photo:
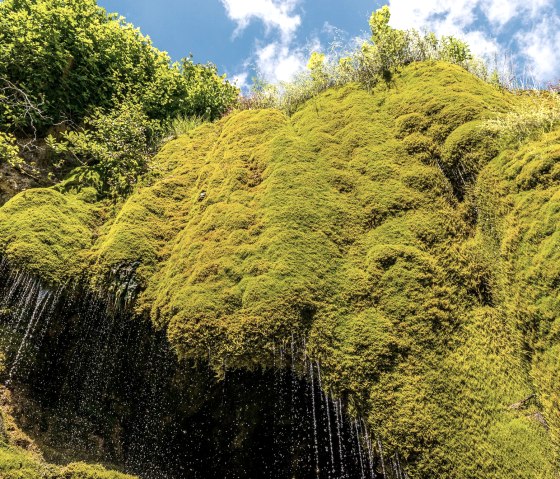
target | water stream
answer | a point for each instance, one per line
(100, 385)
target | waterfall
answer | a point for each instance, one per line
(40, 303)
(315, 441)
(110, 389)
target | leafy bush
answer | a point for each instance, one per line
(208, 95)
(389, 44)
(70, 56)
(68, 65)
(117, 144)
(375, 60)
(8, 149)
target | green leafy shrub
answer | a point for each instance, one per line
(208, 95)
(8, 149)
(389, 44)
(454, 50)
(116, 145)
(71, 56)
(97, 88)
(387, 51)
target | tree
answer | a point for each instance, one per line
(70, 56)
(454, 50)
(316, 66)
(390, 44)
(208, 94)
(70, 64)
(112, 149)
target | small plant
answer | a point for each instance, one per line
(375, 60)
(117, 145)
(182, 125)
(539, 113)
(9, 149)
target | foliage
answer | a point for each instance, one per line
(183, 125)
(8, 149)
(454, 50)
(537, 113)
(68, 65)
(17, 108)
(406, 233)
(18, 464)
(388, 51)
(429, 296)
(117, 145)
(316, 67)
(208, 95)
(389, 44)
(71, 56)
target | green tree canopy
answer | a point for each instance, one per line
(71, 56)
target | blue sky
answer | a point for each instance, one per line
(275, 37)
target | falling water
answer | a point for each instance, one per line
(370, 450)
(111, 389)
(381, 457)
(315, 442)
(40, 304)
(339, 427)
(359, 450)
(326, 400)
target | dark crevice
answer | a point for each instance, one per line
(108, 388)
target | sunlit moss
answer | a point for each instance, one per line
(47, 233)
(416, 255)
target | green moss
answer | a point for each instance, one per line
(18, 464)
(81, 470)
(47, 233)
(520, 222)
(410, 123)
(418, 261)
(467, 150)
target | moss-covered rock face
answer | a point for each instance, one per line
(47, 233)
(417, 260)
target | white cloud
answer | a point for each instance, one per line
(540, 46)
(241, 80)
(481, 44)
(470, 19)
(280, 59)
(278, 62)
(480, 22)
(275, 14)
